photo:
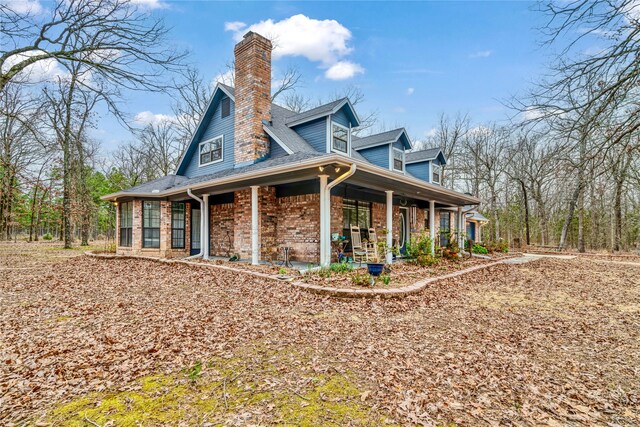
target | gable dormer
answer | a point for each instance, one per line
(327, 128)
(426, 164)
(211, 148)
(386, 149)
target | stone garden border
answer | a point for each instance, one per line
(323, 290)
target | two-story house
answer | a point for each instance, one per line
(257, 177)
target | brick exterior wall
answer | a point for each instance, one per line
(298, 226)
(292, 221)
(252, 97)
(221, 224)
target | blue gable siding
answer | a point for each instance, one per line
(315, 133)
(341, 117)
(399, 145)
(276, 150)
(420, 170)
(215, 127)
(379, 156)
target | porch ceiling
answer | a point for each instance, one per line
(370, 180)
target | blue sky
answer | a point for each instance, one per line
(412, 60)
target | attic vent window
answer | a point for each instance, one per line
(211, 150)
(340, 138)
(398, 160)
(225, 107)
(436, 173)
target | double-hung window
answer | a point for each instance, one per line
(126, 223)
(356, 212)
(339, 138)
(210, 151)
(150, 224)
(398, 160)
(436, 173)
(178, 221)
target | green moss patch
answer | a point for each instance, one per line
(255, 387)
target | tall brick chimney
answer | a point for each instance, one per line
(252, 97)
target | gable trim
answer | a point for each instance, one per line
(327, 113)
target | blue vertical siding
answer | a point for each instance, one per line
(315, 133)
(215, 127)
(420, 170)
(377, 155)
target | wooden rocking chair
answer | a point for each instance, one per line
(372, 246)
(359, 251)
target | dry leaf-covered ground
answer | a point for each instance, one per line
(88, 341)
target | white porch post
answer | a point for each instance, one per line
(205, 241)
(255, 250)
(432, 225)
(389, 255)
(325, 233)
(461, 228)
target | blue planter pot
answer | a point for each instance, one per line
(375, 269)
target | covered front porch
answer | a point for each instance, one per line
(255, 216)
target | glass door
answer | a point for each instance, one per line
(403, 235)
(195, 230)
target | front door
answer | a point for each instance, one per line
(403, 235)
(195, 230)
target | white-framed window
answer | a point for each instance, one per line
(436, 173)
(398, 160)
(340, 138)
(210, 151)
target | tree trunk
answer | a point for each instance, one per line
(581, 246)
(569, 217)
(526, 212)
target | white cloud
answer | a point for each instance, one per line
(23, 7)
(147, 118)
(410, 91)
(226, 78)
(151, 4)
(399, 110)
(481, 54)
(431, 133)
(234, 26)
(343, 70)
(40, 71)
(322, 41)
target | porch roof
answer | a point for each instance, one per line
(292, 168)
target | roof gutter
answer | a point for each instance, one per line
(320, 161)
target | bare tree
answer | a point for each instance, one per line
(114, 39)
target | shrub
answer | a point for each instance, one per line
(361, 279)
(47, 236)
(419, 246)
(340, 267)
(386, 279)
(427, 260)
(479, 249)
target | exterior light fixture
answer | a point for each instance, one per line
(336, 168)
(321, 168)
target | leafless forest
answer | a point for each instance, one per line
(564, 171)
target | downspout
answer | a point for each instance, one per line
(199, 254)
(327, 213)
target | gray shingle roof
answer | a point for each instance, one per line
(288, 136)
(422, 155)
(158, 185)
(322, 110)
(378, 138)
